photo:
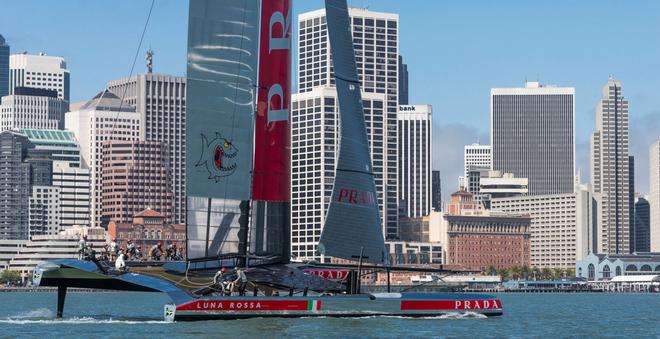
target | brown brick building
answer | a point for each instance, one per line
(136, 176)
(146, 229)
(475, 238)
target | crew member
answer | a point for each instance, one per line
(240, 281)
(82, 247)
(156, 251)
(113, 249)
(120, 264)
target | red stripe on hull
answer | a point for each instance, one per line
(245, 305)
(452, 305)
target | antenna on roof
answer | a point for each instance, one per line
(150, 58)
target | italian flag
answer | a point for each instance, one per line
(314, 305)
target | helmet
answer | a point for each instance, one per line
(114, 239)
(160, 244)
(129, 240)
(223, 270)
(174, 244)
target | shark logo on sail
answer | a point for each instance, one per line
(218, 157)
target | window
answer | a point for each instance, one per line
(631, 268)
(592, 272)
(618, 270)
(606, 271)
(646, 268)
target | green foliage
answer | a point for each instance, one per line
(10, 277)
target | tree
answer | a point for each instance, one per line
(546, 273)
(491, 270)
(570, 272)
(504, 274)
(536, 273)
(10, 277)
(558, 273)
(524, 272)
(515, 272)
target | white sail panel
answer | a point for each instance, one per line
(222, 71)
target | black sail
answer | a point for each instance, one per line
(352, 224)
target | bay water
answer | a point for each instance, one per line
(139, 315)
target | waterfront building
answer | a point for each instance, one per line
(314, 148)
(4, 67)
(135, 176)
(415, 151)
(475, 238)
(436, 191)
(42, 248)
(376, 44)
(607, 266)
(161, 101)
(475, 157)
(69, 175)
(39, 71)
(32, 108)
(23, 167)
(533, 135)
(101, 119)
(147, 228)
(8, 250)
(562, 228)
(610, 174)
(642, 225)
(654, 197)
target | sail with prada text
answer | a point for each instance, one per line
(352, 228)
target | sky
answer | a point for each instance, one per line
(456, 52)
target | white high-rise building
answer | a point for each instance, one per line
(654, 198)
(39, 71)
(161, 100)
(314, 147)
(101, 119)
(69, 175)
(44, 210)
(475, 156)
(533, 135)
(562, 226)
(415, 151)
(610, 173)
(376, 43)
(32, 108)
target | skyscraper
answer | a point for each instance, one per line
(70, 177)
(403, 82)
(101, 119)
(415, 151)
(4, 67)
(32, 108)
(136, 176)
(376, 43)
(161, 101)
(436, 191)
(631, 203)
(23, 168)
(654, 198)
(475, 157)
(533, 135)
(39, 71)
(314, 148)
(610, 173)
(642, 225)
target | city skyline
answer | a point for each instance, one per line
(473, 60)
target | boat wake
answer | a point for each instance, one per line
(46, 316)
(463, 315)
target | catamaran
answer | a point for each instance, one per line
(238, 187)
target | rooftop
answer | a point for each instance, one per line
(107, 101)
(41, 136)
